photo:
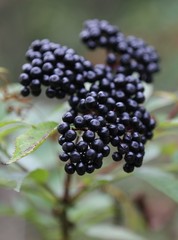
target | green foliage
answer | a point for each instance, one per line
(32, 139)
(165, 182)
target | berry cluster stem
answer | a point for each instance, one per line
(64, 222)
(66, 196)
(65, 225)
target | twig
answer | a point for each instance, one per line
(66, 195)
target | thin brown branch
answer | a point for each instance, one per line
(66, 195)
(62, 213)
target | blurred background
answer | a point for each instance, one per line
(156, 21)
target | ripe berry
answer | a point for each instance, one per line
(102, 97)
(25, 92)
(68, 117)
(68, 146)
(70, 135)
(88, 136)
(97, 144)
(24, 79)
(111, 117)
(116, 156)
(128, 168)
(94, 124)
(64, 156)
(129, 157)
(69, 168)
(79, 122)
(63, 128)
(90, 102)
(106, 151)
(97, 163)
(80, 168)
(75, 157)
(90, 168)
(50, 92)
(134, 146)
(82, 146)
(120, 107)
(90, 154)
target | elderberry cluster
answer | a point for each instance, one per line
(109, 115)
(127, 53)
(56, 67)
(106, 115)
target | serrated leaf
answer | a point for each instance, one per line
(112, 233)
(162, 181)
(32, 139)
(38, 175)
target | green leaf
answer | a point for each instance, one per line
(112, 232)
(32, 139)
(38, 175)
(162, 181)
